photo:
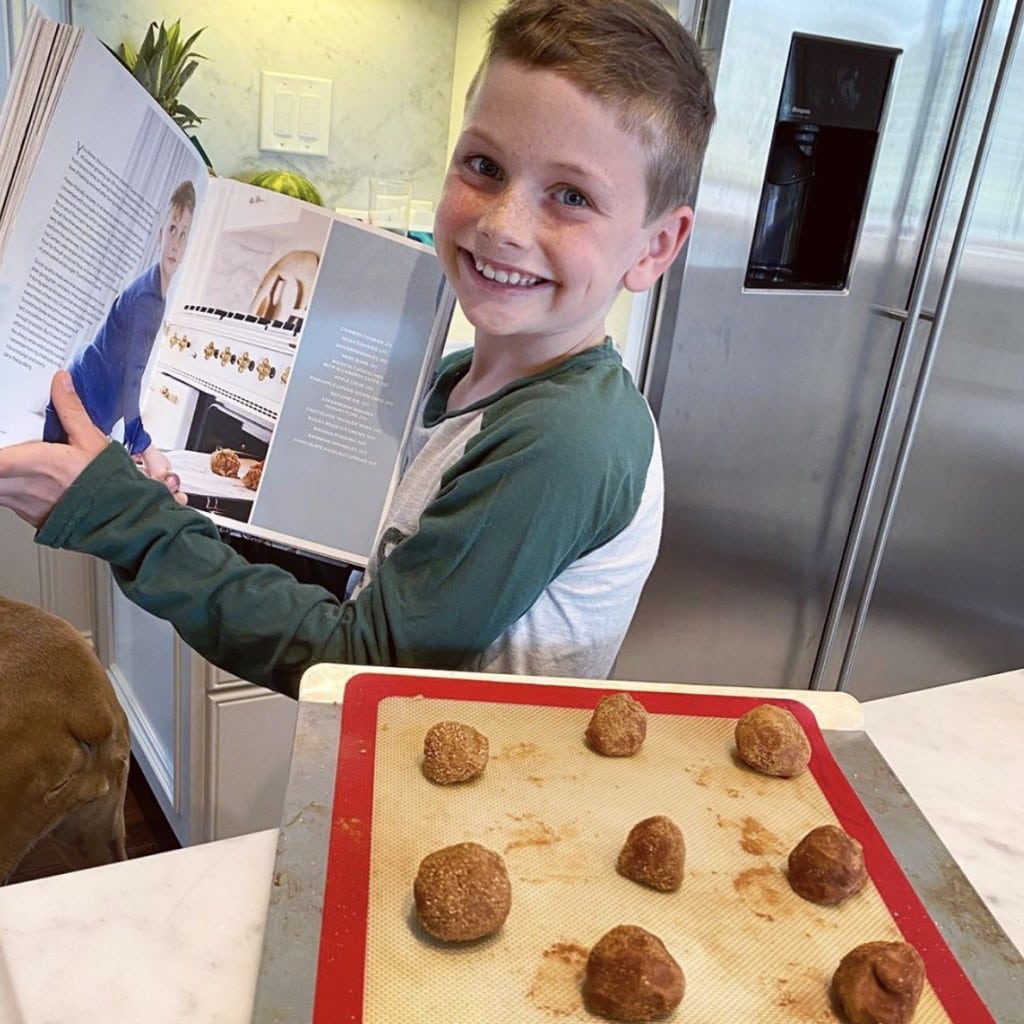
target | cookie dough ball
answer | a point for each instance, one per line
(879, 983)
(770, 740)
(225, 462)
(618, 726)
(253, 476)
(453, 752)
(654, 854)
(631, 976)
(462, 892)
(827, 866)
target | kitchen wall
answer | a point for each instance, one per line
(474, 20)
(390, 61)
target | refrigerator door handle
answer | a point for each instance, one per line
(902, 315)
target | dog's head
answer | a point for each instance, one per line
(63, 736)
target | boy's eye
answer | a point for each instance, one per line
(484, 166)
(572, 197)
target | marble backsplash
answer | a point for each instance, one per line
(391, 62)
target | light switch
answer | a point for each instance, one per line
(309, 117)
(295, 113)
(284, 113)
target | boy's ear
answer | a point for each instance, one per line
(666, 238)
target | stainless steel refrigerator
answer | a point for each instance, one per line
(837, 362)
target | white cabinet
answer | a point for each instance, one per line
(215, 749)
(248, 749)
(59, 581)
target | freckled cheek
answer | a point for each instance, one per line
(444, 240)
(453, 218)
(442, 221)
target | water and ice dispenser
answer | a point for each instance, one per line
(819, 166)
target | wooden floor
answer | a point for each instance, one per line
(146, 832)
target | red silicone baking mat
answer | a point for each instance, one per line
(558, 813)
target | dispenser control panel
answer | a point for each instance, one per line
(819, 166)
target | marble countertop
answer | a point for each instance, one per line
(959, 751)
(177, 937)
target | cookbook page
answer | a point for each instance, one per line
(223, 364)
(375, 328)
(294, 356)
(46, 52)
(85, 269)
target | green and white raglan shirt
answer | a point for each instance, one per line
(518, 540)
(535, 516)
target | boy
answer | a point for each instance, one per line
(107, 373)
(529, 516)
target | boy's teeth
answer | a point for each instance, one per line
(504, 276)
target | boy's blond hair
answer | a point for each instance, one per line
(183, 198)
(633, 55)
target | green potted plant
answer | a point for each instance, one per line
(162, 65)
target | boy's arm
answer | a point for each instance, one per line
(154, 462)
(254, 620)
(136, 437)
(443, 595)
(89, 495)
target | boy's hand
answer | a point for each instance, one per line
(34, 475)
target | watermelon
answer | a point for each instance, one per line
(290, 183)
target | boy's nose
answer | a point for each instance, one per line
(506, 217)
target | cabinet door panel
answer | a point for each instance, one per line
(249, 747)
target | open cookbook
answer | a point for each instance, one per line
(273, 351)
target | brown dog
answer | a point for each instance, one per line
(64, 743)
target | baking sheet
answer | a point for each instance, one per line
(750, 948)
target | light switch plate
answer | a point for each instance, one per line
(295, 113)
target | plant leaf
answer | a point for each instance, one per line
(127, 55)
(163, 64)
(149, 42)
(186, 118)
(186, 73)
(141, 72)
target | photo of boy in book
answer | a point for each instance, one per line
(108, 371)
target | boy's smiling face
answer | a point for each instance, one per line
(541, 221)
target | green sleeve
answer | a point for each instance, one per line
(254, 620)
